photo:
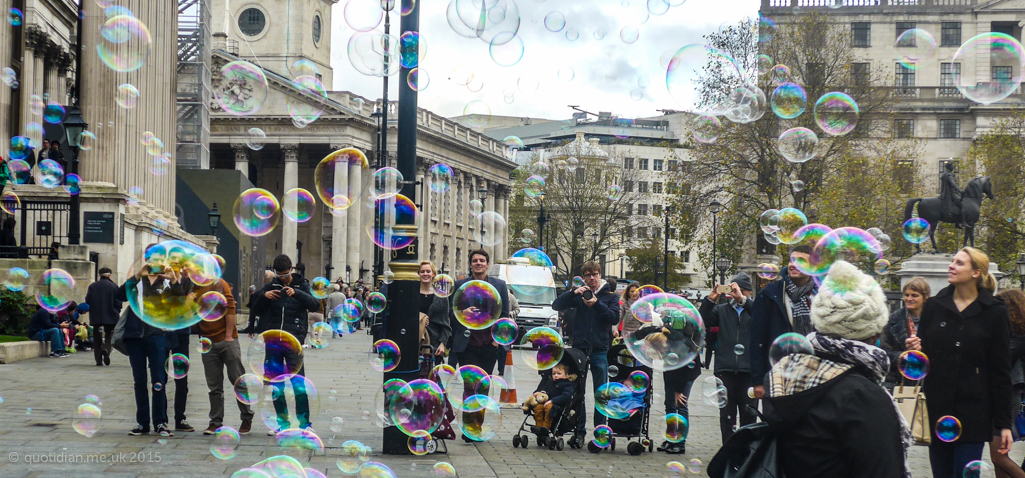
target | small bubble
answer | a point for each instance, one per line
(403, 331)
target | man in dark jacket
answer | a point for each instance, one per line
(104, 310)
(732, 364)
(597, 311)
(43, 326)
(284, 304)
(478, 347)
(780, 307)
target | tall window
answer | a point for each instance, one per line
(908, 40)
(947, 73)
(628, 163)
(904, 128)
(629, 232)
(950, 34)
(950, 128)
(580, 175)
(904, 176)
(642, 232)
(656, 188)
(644, 164)
(316, 29)
(657, 165)
(860, 74)
(642, 187)
(1001, 73)
(642, 209)
(861, 34)
(629, 209)
(628, 186)
(672, 165)
(905, 80)
(685, 256)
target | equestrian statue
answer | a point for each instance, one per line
(953, 206)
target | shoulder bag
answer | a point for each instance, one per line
(911, 403)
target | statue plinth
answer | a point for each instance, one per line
(933, 268)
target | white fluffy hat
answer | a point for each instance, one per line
(850, 304)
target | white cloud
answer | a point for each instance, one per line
(606, 70)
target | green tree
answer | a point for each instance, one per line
(647, 264)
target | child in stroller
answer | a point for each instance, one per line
(627, 400)
(551, 397)
(561, 419)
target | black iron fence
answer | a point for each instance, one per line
(40, 223)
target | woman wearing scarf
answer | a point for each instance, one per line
(833, 415)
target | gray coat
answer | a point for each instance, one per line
(104, 308)
(733, 330)
(439, 328)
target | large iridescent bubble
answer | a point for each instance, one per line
(124, 43)
(1002, 56)
(789, 100)
(306, 107)
(420, 406)
(836, 113)
(54, 290)
(242, 89)
(477, 305)
(542, 348)
(331, 177)
(846, 243)
(797, 145)
(275, 355)
(686, 68)
(671, 335)
(256, 212)
(394, 212)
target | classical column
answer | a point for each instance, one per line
(289, 229)
(340, 217)
(27, 84)
(355, 231)
(242, 158)
(426, 212)
(502, 249)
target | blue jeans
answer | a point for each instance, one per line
(949, 459)
(674, 384)
(599, 376)
(154, 350)
(54, 336)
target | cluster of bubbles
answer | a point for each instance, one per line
(88, 416)
(790, 226)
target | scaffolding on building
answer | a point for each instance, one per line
(193, 138)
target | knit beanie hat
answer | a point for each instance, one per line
(849, 305)
(743, 281)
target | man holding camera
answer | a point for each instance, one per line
(597, 311)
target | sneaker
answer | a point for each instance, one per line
(163, 431)
(63, 354)
(54, 354)
(246, 426)
(183, 426)
(138, 430)
(210, 430)
(676, 448)
(106, 358)
(663, 446)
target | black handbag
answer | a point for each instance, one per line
(750, 453)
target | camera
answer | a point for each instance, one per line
(723, 289)
(588, 295)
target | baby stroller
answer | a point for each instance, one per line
(436, 443)
(576, 361)
(634, 428)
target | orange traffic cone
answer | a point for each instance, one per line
(508, 395)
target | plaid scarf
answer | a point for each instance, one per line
(800, 300)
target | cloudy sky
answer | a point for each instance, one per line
(608, 74)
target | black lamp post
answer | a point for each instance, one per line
(541, 220)
(74, 125)
(594, 239)
(1020, 263)
(722, 264)
(715, 207)
(482, 194)
(214, 218)
(665, 250)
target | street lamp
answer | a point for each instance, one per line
(214, 219)
(74, 125)
(715, 207)
(622, 265)
(665, 250)
(482, 194)
(594, 239)
(1021, 270)
(722, 264)
(541, 220)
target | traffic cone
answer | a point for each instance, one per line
(508, 395)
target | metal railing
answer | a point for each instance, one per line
(41, 223)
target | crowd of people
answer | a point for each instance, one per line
(829, 409)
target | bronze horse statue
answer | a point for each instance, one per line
(931, 209)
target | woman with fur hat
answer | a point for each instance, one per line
(832, 414)
(965, 332)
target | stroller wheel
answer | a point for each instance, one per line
(516, 441)
(591, 447)
(612, 445)
(551, 443)
(559, 444)
(635, 448)
(431, 446)
(524, 441)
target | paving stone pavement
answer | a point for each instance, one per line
(39, 397)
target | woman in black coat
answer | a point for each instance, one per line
(435, 307)
(965, 332)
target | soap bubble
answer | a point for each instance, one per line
(440, 178)
(715, 392)
(417, 407)
(768, 271)
(615, 192)
(386, 183)
(686, 68)
(87, 141)
(443, 285)
(353, 454)
(225, 443)
(677, 428)
(54, 289)
(1003, 55)
(10, 202)
(495, 19)
(15, 17)
(177, 366)
(395, 210)
(766, 29)
(629, 34)
(247, 388)
(334, 192)
(16, 279)
(363, 16)
(671, 334)
(161, 165)
(87, 419)
(506, 51)
(299, 205)
(386, 356)
(649, 289)
(127, 96)
(555, 21)
(444, 470)
(49, 174)
(602, 436)
(779, 74)
(543, 348)
(787, 344)
(376, 302)
(566, 74)
(706, 129)
(882, 266)
(916, 230)
(477, 305)
(790, 221)
(845, 243)
(948, 428)
(306, 109)
(256, 212)
(477, 114)
(638, 381)
(54, 113)
(788, 100)
(204, 346)
(243, 88)
(913, 364)
(504, 331)
(836, 113)
(124, 43)
(978, 469)
(494, 229)
(482, 418)
(611, 398)
(915, 48)
(275, 355)
(290, 391)
(20, 148)
(212, 306)
(256, 139)
(797, 145)
(535, 186)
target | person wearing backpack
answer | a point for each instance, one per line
(830, 412)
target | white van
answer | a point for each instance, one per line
(534, 288)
